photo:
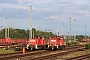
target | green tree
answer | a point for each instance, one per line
(22, 33)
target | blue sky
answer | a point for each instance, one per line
(45, 14)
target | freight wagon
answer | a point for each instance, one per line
(9, 41)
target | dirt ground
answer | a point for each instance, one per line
(71, 55)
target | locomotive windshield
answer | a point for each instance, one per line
(39, 37)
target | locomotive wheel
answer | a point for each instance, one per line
(62, 47)
(31, 48)
(46, 47)
(54, 48)
(43, 47)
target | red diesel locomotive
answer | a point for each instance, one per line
(56, 42)
(37, 43)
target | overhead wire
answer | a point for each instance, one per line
(10, 16)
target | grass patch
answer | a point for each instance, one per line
(72, 43)
(4, 51)
(87, 51)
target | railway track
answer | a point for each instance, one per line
(12, 46)
(80, 57)
(12, 56)
(69, 47)
(32, 55)
(53, 56)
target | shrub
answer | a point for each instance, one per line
(71, 43)
(87, 46)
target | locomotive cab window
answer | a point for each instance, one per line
(58, 38)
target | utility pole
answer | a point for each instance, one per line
(63, 30)
(6, 29)
(30, 34)
(39, 31)
(74, 30)
(8, 32)
(85, 31)
(33, 34)
(68, 34)
(70, 27)
(59, 33)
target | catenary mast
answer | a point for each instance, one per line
(30, 33)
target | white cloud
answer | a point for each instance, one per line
(24, 1)
(52, 17)
(84, 12)
(47, 9)
(12, 6)
(82, 2)
(34, 1)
